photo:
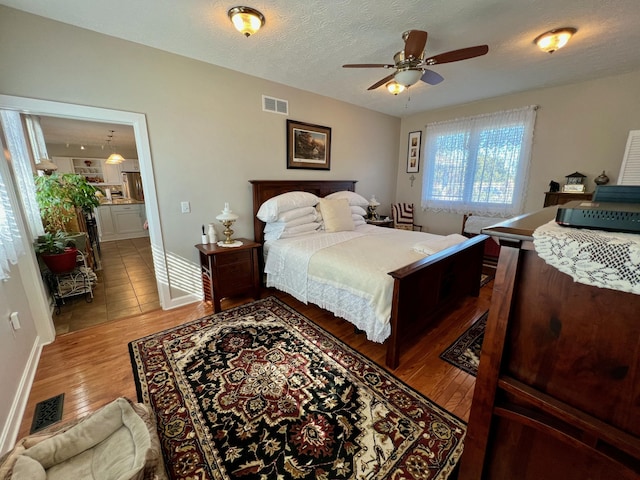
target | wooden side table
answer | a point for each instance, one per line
(381, 223)
(229, 271)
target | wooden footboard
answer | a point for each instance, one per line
(424, 289)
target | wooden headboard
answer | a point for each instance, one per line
(263, 190)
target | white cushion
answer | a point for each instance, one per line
(272, 208)
(292, 231)
(336, 215)
(353, 198)
(275, 229)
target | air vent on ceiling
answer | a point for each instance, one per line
(275, 105)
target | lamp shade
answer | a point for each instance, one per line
(246, 20)
(395, 88)
(114, 159)
(373, 201)
(227, 214)
(46, 164)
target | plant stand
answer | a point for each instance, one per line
(77, 282)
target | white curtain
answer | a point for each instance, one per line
(479, 164)
(36, 137)
(23, 172)
(10, 239)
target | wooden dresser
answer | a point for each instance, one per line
(558, 389)
(560, 198)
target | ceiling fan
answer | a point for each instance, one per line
(411, 65)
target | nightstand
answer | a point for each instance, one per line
(229, 271)
(381, 223)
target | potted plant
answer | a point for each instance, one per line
(57, 252)
(59, 197)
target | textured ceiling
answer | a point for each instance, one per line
(305, 43)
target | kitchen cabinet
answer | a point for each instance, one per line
(112, 174)
(121, 221)
(130, 165)
(65, 165)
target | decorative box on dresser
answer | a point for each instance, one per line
(229, 271)
(557, 394)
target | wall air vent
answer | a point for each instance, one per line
(275, 105)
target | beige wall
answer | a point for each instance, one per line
(580, 127)
(207, 131)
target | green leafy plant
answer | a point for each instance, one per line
(53, 243)
(59, 195)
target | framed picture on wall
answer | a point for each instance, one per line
(308, 146)
(413, 152)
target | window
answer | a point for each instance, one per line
(479, 164)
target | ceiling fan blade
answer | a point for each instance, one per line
(457, 55)
(381, 82)
(414, 44)
(368, 65)
(431, 77)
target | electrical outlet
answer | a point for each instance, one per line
(186, 207)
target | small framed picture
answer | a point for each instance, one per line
(413, 152)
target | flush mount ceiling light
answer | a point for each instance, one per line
(247, 20)
(554, 39)
(407, 77)
(395, 88)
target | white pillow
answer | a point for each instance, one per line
(336, 214)
(272, 208)
(353, 198)
(304, 229)
(296, 213)
(358, 210)
(358, 221)
(279, 227)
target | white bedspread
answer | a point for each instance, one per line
(345, 272)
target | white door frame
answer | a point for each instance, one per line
(139, 123)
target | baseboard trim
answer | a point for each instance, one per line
(19, 405)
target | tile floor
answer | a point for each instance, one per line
(126, 286)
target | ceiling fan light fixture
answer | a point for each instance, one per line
(554, 39)
(395, 88)
(247, 20)
(407, 77)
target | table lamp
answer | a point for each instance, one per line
(227, 217)
(373, 204)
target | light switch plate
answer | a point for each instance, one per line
(14, 320)
(186, 207)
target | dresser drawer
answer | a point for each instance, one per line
(243, 256)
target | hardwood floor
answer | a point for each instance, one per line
(92, 366)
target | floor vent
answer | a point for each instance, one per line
(47, 413)
(275, 105)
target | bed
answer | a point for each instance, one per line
(421, 290)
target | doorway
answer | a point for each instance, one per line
(138, 123)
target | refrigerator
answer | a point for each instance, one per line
(132, 186)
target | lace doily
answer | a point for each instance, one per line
(593, 257)
(236, 243)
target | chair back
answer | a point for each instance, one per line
(402, 214)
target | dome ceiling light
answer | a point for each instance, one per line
(247, 20)
(554, 39)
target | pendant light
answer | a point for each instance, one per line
(114, 158)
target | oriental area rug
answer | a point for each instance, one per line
(464, 353)
(261, 392)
